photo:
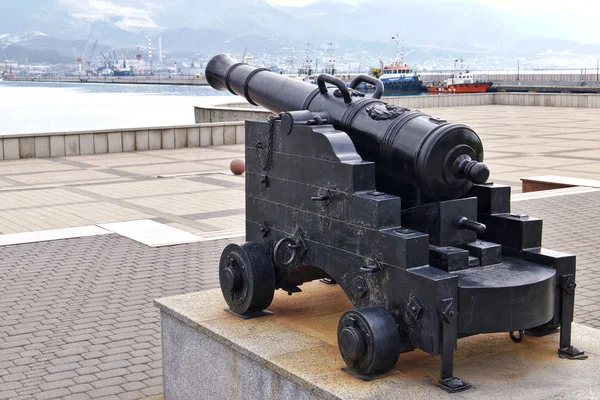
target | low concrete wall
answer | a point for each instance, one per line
(241, 110)
(60, 144)
(229, 112)
(569, 100)
(224, 124)
(442, 100)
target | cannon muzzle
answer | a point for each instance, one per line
(417, 156)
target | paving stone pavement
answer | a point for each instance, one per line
(197, 193)
(77, 319)
(76, 315)
(190, 189)
(572, 225)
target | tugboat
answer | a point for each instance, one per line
(397, 76)
(461, 82)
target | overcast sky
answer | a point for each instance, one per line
(568, 19)
(566, 5)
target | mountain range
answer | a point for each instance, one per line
(59, 31)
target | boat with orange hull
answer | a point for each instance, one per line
(461, 82)
(480, 87)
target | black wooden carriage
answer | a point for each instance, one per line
(394, 206)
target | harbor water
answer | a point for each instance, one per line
(36, 107)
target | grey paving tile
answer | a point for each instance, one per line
(7, 394)
(51, 394)
(105, 391)
(63, 383)
(91, 298)
(99, 327)
(77, 396)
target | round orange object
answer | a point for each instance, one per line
(237, 166)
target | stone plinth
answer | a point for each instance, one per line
(209, 353)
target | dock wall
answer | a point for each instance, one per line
(243, 110)
(61, 144)
(586, 77)
(136, 79)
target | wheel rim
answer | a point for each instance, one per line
(353, 342)
(233, 278)
(369, 340)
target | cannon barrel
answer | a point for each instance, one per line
(408, 147)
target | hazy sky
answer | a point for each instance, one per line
(510, 4)
(568, 19)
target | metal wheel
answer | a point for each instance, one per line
(369, 340)
(247, 277)
(517, 336)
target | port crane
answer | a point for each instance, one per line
(90, 57)
(138, 57)
(86, 57)
(107, 63)
(193, 61)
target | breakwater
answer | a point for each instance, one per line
(542, 83)
(136, 79)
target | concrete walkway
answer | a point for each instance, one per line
(76, 315)
(198, 194)
(185, 188)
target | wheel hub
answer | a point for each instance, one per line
(352, 343)
(232, 281)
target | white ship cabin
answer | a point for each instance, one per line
(462, 77)
(397, 70)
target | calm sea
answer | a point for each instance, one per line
(33, 107)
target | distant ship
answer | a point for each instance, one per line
(461, 82)
(398, 76)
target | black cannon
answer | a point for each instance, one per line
(394, 206)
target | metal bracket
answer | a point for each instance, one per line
(264, 182)
(325, 198)
(372, 268)
(449, 316)
(453, 385)
(572, 353)
(360, 286)
(520, 216)
(568, 284)
(415, 309)
(265, 229)
(291, 290)
(298, 236)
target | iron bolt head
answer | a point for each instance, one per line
(362, 291)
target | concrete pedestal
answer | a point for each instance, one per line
(209, 353)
